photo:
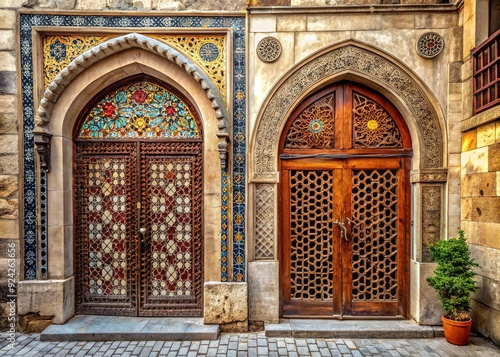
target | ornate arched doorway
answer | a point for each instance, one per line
(138, 202)
(344, 206)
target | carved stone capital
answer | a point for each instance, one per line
(429, 175)
(265, 177)
(223, 149)
(42, 144)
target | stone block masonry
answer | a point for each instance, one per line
(480, 192)
(9, 148)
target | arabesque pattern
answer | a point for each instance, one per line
(140, 110)
(311, 232)
(375, 235)
(314, 128)
(60, 50)
(372, 125)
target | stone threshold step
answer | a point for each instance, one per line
(120, 328)
(317, 328)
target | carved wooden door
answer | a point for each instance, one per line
(344, 203)
(138, 200)
(138, 229)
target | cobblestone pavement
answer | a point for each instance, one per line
(252, 344)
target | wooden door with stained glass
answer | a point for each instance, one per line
(344, 225)
(138, 198)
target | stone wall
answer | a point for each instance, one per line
(338, 2)
(142, 5)
(480, 180)
(481, 218)
(9, 150)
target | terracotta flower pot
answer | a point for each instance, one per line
(456, 332)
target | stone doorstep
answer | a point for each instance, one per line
(120, 328)
(316, 328)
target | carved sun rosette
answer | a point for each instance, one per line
(430, 44)
(269, 49)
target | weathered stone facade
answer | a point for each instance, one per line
(480, 170)
(480, 218)
(455, 166)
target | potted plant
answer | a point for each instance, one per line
(454, 281)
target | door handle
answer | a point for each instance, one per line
(144, 245)
(343, 229)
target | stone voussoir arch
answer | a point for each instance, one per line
(355, 58)
(122, 43)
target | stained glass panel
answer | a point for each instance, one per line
(140, 110)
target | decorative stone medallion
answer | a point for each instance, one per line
(430, 44)
(269, 49)
(209, 52)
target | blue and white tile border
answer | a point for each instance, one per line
(35, 267)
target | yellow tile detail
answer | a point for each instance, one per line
(469, 140)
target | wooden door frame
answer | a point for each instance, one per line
(135, 265)
(404, 189)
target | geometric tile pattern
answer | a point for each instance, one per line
(59, 21)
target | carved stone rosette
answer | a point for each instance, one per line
(269, 49)
(430, 44)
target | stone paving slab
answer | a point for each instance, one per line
(120, 328)
(249, 345)
(311, 328)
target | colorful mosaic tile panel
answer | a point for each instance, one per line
(224, 226)
(206, 52)
(139, 110)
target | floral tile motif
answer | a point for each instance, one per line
(206, 53)
(139, 110)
